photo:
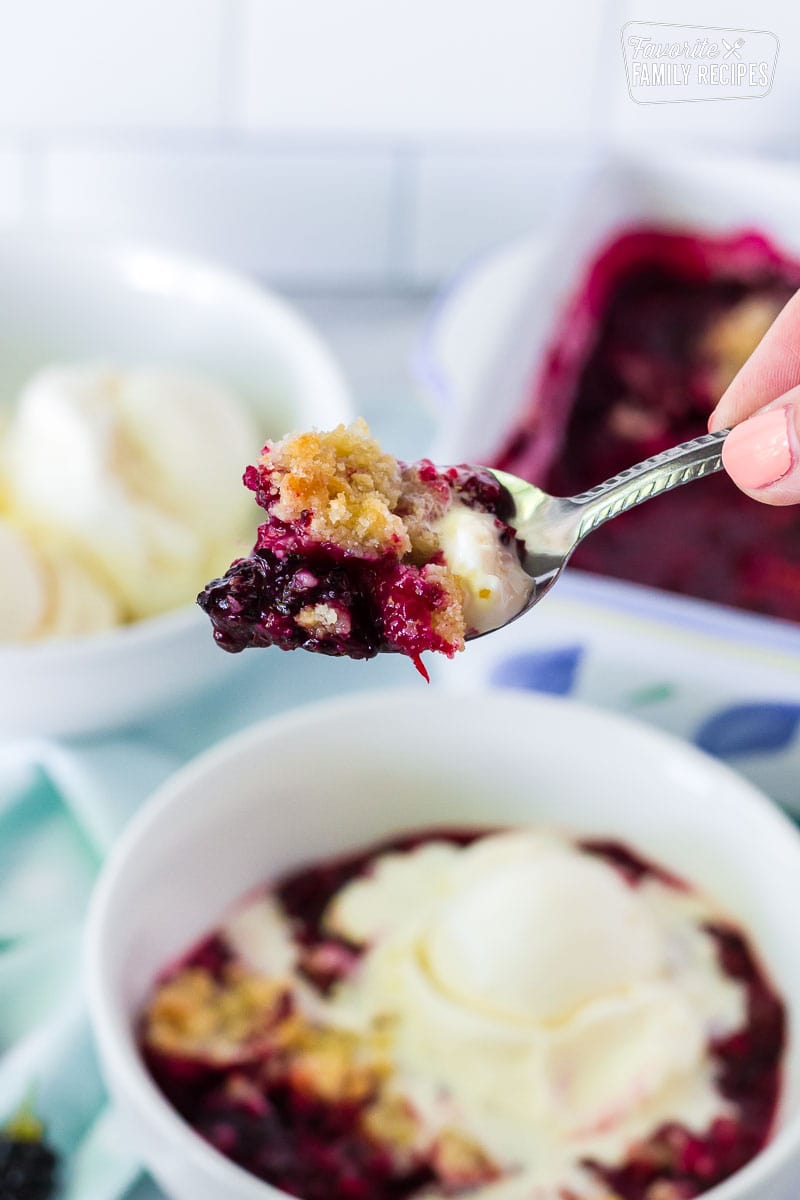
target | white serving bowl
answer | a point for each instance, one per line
(322, 780)
(62, 301)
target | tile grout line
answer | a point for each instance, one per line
(402, 217)
(127, 137)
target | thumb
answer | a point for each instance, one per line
(762, 453)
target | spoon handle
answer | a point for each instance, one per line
(661, 473)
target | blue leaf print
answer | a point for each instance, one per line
(749, 729)
(551, 671)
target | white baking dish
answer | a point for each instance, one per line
(729, 679)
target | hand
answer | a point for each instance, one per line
(762, 405)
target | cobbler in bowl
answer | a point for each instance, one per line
(274, 944)
(657, 328)
(494, 1013)
(361, 553)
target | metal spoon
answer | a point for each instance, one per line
(550, 527)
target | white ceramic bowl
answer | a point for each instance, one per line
(67, 301)
(318, 781)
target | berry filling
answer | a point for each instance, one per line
(659, 327)
(312, 1111)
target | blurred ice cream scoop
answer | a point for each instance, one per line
(47, 594)
(530, 979)
(134, 473)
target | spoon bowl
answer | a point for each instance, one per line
(549, 527)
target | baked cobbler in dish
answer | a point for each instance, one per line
(361, 553)
(500, 1014)
(659, 326)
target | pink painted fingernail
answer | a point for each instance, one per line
(758, 452)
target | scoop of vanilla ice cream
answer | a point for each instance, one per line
(80, 602)
(538, 1001)
(47, 594)
(495, 586)
(139, 472)
(368, 908)
(260, 937)
(188, 440)
(535, 940)
(620, 1051)
(24, 594)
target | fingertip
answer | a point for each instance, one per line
(759, 453)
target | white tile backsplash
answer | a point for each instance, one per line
(154, 64)
(340, 141)
(420, 68)
(12, 187)
(296, 216)
(465, 202)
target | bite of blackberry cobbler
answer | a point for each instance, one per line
(361, 553)
(503, 1014)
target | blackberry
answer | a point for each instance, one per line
(28, 1166)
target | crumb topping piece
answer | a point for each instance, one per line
(333, 1065)
(447, 616)
(460, 1160)
(733, 336)
(195, 1015)
(390, 1120)
(226, 1021)
(340, 486)
(324, 620)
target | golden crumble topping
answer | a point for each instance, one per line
(196, 1016)
(663, 1189)
(447, 621)
(733, 337)
(333, 1065)
(421, 506)
(390, 1120)
(461, 1161)
(323, 620)
(345, 484)
(634, 422)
